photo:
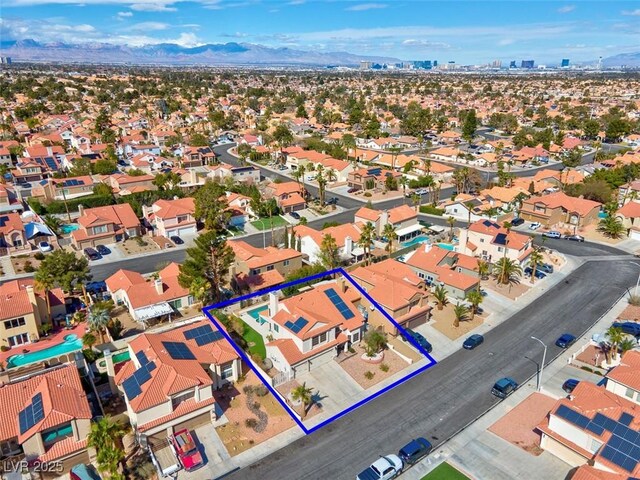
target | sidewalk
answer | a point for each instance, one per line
(486, 456)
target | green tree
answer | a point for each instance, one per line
(440, 294)
(63, 269)
(283, 137)
(475, 298)
(535, 259)
(460, 314)
(304, 395)
(329, 255)
(98, 319)
(507, 271)
(611, 227)
(210, 206)
(104, 167)
(390, 234)
(210, 259)
(469, 125)
(89, 340)
(198, 140)
(367, 236)
(106, 437)
(80, 167)
(375, 341)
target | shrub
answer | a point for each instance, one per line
(247, 389)
(39, 256)
(4, 348)
(384, 367)
(90, 355)
(261, 390)
(367, 194)
(634, 300)
(251, 423)
(369, 375)
(28, 267)
(431, 210)
(255, 406)
(586, 369)
(141, 242)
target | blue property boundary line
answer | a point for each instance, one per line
(245, 357)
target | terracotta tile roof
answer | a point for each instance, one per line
(11, 223)
(401, 214)
(63, 449)
(121, 214)
(628, 372)
(184, 408)
(261, 257)
(339, 232)
(293, 355)
(562, 200)
(587, 472)
(630, 210)
(261, 280)
(279, 189)
(368, 214)
(172, 208)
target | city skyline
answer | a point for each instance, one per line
(460, 31)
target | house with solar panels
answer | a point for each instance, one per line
(594, 426)
(13, 237)
(488, 240)
(61, 188)
(45, 417)
(313, 327)
(169, 382)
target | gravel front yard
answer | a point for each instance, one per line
(358, 368)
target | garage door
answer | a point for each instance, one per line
(193, 423)
(416, 322)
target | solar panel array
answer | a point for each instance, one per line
(142, 357)
(296, 326)
(623, 448)
(72, 182)
(501, 239)
(51, 163)
(133, 385)
(339, 303)
(3, 220)
(203, 335)
(178, 351)
(32, 413)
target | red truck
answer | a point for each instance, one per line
(187, 450)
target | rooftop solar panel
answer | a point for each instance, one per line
(301, 322)
(31, 414)
(203, 335)
(178, 351)
(626, 419)
(142, 358)
(339, 303)
(3, 220)
(597, 429)
(501, 239)
(208, 338)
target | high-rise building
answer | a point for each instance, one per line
(565, 63)
(527, 64)
(435, 63)
(496, 64)
(512, 64)
(5, 60)
(422, 64)
(365, 65)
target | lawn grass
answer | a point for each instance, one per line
(444, 471)
(265, 223)
(251, 336)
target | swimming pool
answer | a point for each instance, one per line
(415, 241)
(71, 344)
(446, 246)
(69, 227)
(255, 313)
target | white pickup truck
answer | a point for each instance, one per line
(164, 457)
(386, 467)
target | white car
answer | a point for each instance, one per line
(45, 247)
(535, 226)
(386, 467)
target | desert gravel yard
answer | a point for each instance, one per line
(368, 374)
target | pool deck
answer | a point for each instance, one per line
(45, 342)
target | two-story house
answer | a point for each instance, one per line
(398, 290)
(629, 215)
(623, 380)
(61, 188)
(169, 382)
(346, 237)
(488, 240)
(313, 327)
(46, 417)
(123, 184)
(559, 209)
(257, 268)
(197, 156)
(403, 218)
(27, 170)
(108, 224)
(371, 178)
(172, 217)
(149, 298)
(289, 196)
(12, 234)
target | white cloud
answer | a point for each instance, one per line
(567, 9)
(366, 6)
(632, 13)
(145, 26)
(506, 41)
(125, 14)
(412, 42)
(297, 2)
(152, 7)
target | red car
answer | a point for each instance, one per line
(187, 450)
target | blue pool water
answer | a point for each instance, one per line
(415, 241)
(71, 344)
(446, 246)
(255, 313)
(602, 214)
(69, 227)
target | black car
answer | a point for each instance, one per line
(517, 221)
(332, 201)
(570, 384)
(473, 341)
(91, 254)
(415, 450)
(565, 340)
(176, 239)
(295, 215)
(420, 340)
(102, 250)
(575, 238)
(630, 328)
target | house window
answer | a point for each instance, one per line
(14, 323)
(482, 240)
(595, 445)
(355, 337)
(276, 328)
(182, 218)
(629, 393)
(227, 372)
(177, 400)
(9, 448)
(285, 263)
(18, 339)
(100, 229)
(49, 437)
(255, 271)
(318, 339)
(176, 304)
(269, 268)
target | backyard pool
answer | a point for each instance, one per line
(415, 241)
(255, 313)
(69, 227)
(446, 246)
(71, 344)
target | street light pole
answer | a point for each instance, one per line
(544, 356)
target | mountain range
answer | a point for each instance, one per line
(172, 54)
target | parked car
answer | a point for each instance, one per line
(565, 340)
(504, 387)
(570, 384)
(517, 221)
(630, 328)
(473, 341)
(332, 201)
(535, 226)
(352, 190)
(91, 254)
(552, 234)
(420, 340)
(386, 467)
(575, 238)
(176, 240)
(187, 450)
(415, 450)
(295, 215)
(45, 247)
(102, 250)
(545, 267)
(539, 273)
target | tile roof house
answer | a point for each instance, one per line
(46, 417)
(456, 272)
(346, 237)
(288, 195)
(149, 298)
(490, 241)
(629, 215)
(370, 178)
(397, 289)
(403, 218)
(168, 384)
(257, 268)
(197, 156)
(560, 209)
(624, 380)
(313, 327)
(172, 217)
(108, 224)
(12, 234)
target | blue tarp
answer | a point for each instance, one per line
(34, 228)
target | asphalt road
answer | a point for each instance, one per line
(444, 399)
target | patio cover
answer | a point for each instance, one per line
(401, 232)
(437, 228)
(152, 311)
(34, 228)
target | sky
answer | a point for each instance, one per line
(467, 32)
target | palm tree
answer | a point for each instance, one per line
(616, 336)
(483, 270)
(625, 345)
(611, 227)
(404, 181)
(507, 271)
(535, 259)
(415, 198)
(475, 298)
(451, 221)
(304, 395)
(460, 313)
(106, 437)
(46, 282)
(366, 240)
(469, 206)
(98, 319)
(390, 234)
(440, 294)
(88, 340)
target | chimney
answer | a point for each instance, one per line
(427, 246)
(81, 210)
(273, 304)
(159, 287)
(49, 151)
(342, 285)
(31, 294)
(384, 219)
(348, 246)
